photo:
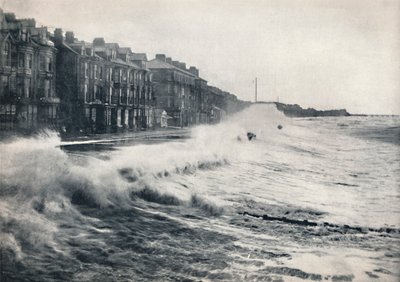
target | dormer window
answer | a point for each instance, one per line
(6, 53)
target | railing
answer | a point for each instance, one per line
(52, 100)
(23, 71)
(5, 69)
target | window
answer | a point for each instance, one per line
(27, 87)
(116, 75)
(47, 88)
(86, 70)
(107, 74)
(20, 86)
(21, 60)
(6, 53)
(23, 36)
(4, 84)
(100, 72)
(14, 58)
(6, 49)
(42, 60)
(49, 92)
(50, 64)
(95, 71)
(85, 90)
(29, 60)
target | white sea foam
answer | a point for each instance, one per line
(312, 169)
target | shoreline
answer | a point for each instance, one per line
(69, 140)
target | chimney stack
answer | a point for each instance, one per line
(175, 63)
(194, 71)
(169, 60)
(58, 36)
(99, 41)
(182, 66)
(161, 57)
(69, 37)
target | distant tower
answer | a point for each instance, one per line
(255, 94)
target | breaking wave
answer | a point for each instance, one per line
(209, 202)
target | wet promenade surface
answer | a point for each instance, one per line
(100, 142)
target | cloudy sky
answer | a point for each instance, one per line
(317, 53)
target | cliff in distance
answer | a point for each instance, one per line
(297, 111)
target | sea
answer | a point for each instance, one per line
(315, 200)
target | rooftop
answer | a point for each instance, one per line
(157, 64)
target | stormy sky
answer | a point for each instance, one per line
(317, 53)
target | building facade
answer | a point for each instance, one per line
(27, 75)
(103, 90)
(55, 80)
(174, 90)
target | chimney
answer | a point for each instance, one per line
(194, 71)
(176, 64)
(10, 17)
(99, 41)
(58, 36)
(182, 66)
(27, 22)
(160, 57)
(69, 37)
(169, 60)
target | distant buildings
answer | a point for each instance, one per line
(56, 80)
(185, 96)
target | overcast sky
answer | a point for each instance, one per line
(317, 53)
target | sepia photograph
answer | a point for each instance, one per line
(199, 140)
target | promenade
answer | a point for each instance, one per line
(112, 139)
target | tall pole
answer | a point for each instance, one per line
(256, 90)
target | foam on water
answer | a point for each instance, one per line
(315, 183)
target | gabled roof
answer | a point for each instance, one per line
(5, 36)
(69, 48)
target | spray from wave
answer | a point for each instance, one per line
(213, 203)
(41, 183)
